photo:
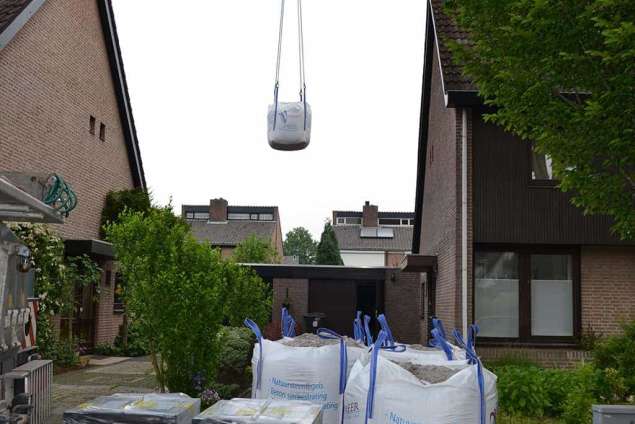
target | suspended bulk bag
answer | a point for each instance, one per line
(289, 124)
(380, 390)
(314, 374)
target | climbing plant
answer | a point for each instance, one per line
(56, 277)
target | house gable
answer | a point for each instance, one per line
(56, 73)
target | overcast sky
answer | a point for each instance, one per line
(201, 76)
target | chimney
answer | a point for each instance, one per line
(370, 215)
(218, 210)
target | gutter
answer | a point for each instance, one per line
(423, 131)
(464, 165)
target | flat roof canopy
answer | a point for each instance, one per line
(418, 263)
(329, 272)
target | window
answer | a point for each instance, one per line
(253, 217)
(390, 221)
(91, 125)
(497, 288)
(189, 215)
(551, 295)
(266, 217)
(527, 294)
(201, 215)
(541, 168)
(102, 131)
(118, 304)
(349, 220)
(238, 216)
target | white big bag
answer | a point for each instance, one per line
(381, 391)
(289, 124)
(314, 374)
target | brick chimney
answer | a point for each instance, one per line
(370, 215)
(218, 210)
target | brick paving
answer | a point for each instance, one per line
(75, 387)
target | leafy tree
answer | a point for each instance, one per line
(328, 251)
(562, 74)
(255, 250)
(118, 201)
(299, 242)
(179, 292)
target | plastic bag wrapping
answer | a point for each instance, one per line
(261, 411)
(131, 408)
(290, 127)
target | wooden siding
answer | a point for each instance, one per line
(509, 208)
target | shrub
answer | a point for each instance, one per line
(615, 357)
(234, 371)
(179, 293)
(576, 408)
(137, 343)
(521, 390)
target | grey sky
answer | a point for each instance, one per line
(201, 77)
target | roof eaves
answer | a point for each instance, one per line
(9, 31)
(121, 90)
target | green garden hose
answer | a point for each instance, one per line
(59, 195)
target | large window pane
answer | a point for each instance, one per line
(551, 295)
(541, 168)
(496, 297)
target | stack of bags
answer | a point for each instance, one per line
(356, 380)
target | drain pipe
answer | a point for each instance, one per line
(464, 261)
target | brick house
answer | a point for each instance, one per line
(499, 243)
(372, 237)
(224, 226)
(65, 109)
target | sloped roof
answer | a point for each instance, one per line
(446, 30)
(13, 16)
(9, 10)
(230, 233)
(349, 238)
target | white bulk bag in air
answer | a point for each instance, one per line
(314, 374)
(289, 127)
(289, 124)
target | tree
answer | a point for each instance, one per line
(255, 250)
(299, 242)
(328, 252)
(179, 292)
(118, 201)
(562, 74)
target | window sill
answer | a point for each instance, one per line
(553, 184)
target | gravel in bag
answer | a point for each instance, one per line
(313, 340)
(429, 374)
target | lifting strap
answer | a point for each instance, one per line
(301, 61)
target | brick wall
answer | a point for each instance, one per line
(608, 288)
(440, 216)
(298, 294)
(54, 75)
(107, 322)
(402, 306)
(551, 358)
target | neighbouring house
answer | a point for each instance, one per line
(372, 237)
(224, 226)
(499, 244)
(65, 109)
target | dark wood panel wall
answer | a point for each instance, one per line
(511, 208)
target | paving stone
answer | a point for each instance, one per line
(75, 387)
